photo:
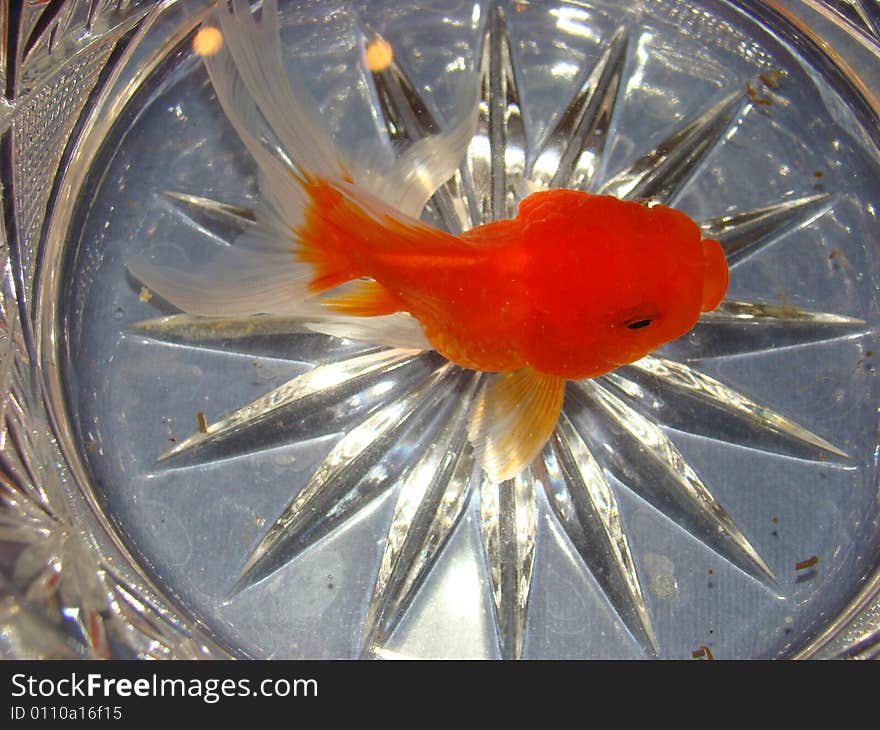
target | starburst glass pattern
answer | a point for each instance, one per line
(370, 444)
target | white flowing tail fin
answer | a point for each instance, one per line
(274, 114)
(284, 136)
(276, 118)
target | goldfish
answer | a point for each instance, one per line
(572, 287)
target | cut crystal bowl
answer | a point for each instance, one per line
(182, 487)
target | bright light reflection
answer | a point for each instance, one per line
(381, 388)
(575, 21)
(564, 70)
(637, 78)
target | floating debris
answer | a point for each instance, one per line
(771, 80)
(808, 563)
(755, 96)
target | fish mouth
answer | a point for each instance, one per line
(717, 276)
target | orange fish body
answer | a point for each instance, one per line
(574, 286)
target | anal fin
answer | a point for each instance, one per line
(363, 298)
(514, 416)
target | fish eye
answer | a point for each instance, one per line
(639, 324)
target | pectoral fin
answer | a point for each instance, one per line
(515, 415)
